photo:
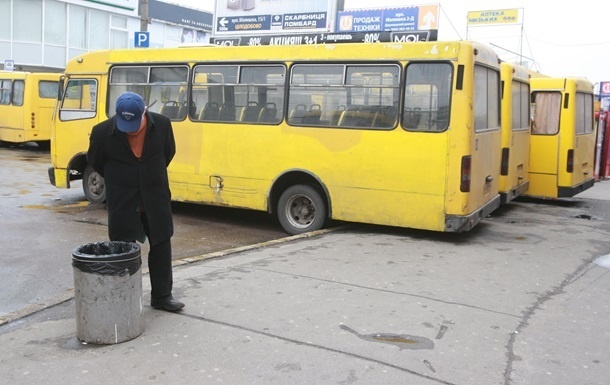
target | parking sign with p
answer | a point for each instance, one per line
(141, 40)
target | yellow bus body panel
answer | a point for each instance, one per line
(389, 177)
(32, 120)
(516, 181)
(549, 153)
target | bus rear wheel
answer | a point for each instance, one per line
(301, 209)
(94, 186)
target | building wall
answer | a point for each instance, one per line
(42, 35)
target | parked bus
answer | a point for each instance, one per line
(563, 137)
(27, 100)
(514, 169)
(399, 134)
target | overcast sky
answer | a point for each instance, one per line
(563, 39)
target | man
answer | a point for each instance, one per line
(131, 151)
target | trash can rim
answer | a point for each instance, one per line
(132, 253)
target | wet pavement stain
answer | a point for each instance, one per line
(45, 207)
(586, 216)
(402, 341)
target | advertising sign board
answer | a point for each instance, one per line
(272, 16)
(388, 19)
(198, 20)
(500, 16)
(328, 38)
(604, 95)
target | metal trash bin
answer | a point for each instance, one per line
(108, 292)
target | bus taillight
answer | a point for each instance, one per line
(570, 162)
(465, 174)
(504, 164)
(33, 120)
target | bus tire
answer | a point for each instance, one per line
(94, 186)
(301, 209)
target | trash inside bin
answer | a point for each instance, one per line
(108, 292)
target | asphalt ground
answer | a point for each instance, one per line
(523, 298)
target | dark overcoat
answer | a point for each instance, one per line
(132, 183)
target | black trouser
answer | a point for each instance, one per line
(159, 265)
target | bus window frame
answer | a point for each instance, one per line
(6, 91)
(49, 83)
(257, 109)
(70, 114)
(487, 99)
(145, 88)
(583, 122)
(557, 115)
(349, 115)
(18, 93)
(520, 116)
(410, 112)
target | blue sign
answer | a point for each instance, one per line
(243, 23)
(404, 19)
(285, 22)
(369, 20)
(604, 89)
(312, 20)
(141, 40)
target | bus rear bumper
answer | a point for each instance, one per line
(568, 192)
(508, 196)
(462, 223)
(59, 177)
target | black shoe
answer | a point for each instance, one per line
(168, 304)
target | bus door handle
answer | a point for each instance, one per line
(216, 183)
(489, 179)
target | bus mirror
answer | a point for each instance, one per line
(60, 89)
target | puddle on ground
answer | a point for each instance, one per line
(585, 216)
(603, 261)
(45, 207)
(402, 341)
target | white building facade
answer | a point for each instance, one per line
(42, 35)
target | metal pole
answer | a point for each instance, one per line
(144, 15)
(521, 41)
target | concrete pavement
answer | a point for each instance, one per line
(522, 299)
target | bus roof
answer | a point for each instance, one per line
(100, 61)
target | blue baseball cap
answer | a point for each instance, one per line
(129, 110)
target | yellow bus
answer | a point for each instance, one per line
(399, 134)
(27, 100)
(514, 166)
(563, 137)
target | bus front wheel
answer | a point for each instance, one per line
(94, 186)
(301, 209)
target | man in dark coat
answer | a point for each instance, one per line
(131, 151)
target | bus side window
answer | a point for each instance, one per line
(250, 112)
(297, 114)
(336, 115)
(313, 115)
(170, 109)
(268, 113)
(226, 113)
(6, 89)
(209, 112)
(184, 110)
(349, 118)
(412, 117)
